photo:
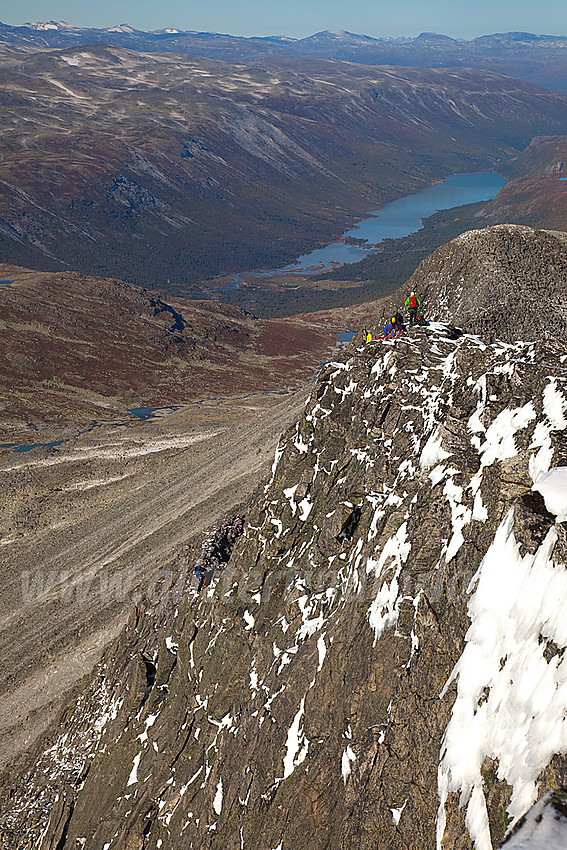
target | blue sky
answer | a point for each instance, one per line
(303, 17)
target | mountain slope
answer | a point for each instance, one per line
(384, 606)
(165, 170)
(537, 193)
(88, 526)
(77, 348)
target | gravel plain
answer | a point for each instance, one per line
(87, 527)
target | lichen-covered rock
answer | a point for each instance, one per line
(379, 664)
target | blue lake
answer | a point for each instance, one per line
(150, 412)
(401, 217)
(134, 413)
(29, 446)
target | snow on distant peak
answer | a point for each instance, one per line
(328, 34)
(120, 28)
(50, 25)
(511, 702)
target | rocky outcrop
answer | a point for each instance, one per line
(504, 282)
(379, 662)
(218, 544)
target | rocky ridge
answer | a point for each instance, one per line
(320, 692)
(507, 282)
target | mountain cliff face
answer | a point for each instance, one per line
(379, 661)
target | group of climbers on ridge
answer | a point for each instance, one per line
(396, 325)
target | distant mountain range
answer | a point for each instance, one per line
(166, 170)
(537, 58)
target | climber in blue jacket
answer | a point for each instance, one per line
(392, 328)
(201, 573)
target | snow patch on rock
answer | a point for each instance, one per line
(544, 826)
(511, 702)
(296, 743)
(217, 802)
(433, 453)
(554, 405)
(383, 613)
(553, 487)
(348, 758)
(133, 778)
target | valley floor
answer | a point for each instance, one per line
(89, 526)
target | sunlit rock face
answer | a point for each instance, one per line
(379, 662)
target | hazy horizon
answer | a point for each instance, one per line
(408, 18)
(281, 34)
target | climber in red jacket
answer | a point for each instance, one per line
(412, 303)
